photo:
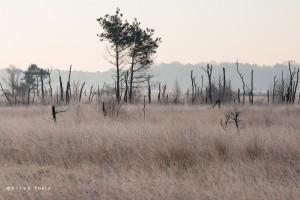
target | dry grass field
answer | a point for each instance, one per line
(177, 152)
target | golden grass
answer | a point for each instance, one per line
(178, 152)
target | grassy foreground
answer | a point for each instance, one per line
(177, 152)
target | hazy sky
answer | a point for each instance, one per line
(58, 33)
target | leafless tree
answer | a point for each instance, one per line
(209, 73)
(242, 78)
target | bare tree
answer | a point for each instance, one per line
(209, 72)
(81, 91)
(242, 78)
(193, 87)
(251, 89)
(292, 88)
(49, 82)
(61, 88)
(13, 81)
(274, 88)
(68, 90)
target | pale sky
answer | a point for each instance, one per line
(58, 33)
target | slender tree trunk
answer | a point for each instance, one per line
(201, 89)
(7, 98)
(126, 87)
(118, 76)
(28, 96)
(49, 72)
(224, 84)
(282, 87)
(159, 91)
(193, 91)
(37, 85)
(68, 91)
(251, 87)
(91, 91)
(61, 88)
(149, 90)
(42, 85)
(296, 85)
(131, 82)
(81, 91)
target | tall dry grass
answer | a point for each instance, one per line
(177, 152)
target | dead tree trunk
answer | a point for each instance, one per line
(54, 113)
(81, 91)
(274, 87)
(91, 91)
(201, 93)
(61, 88)
(224, 84)
(239, 98)
(206, 95)
(242, 78)
(7, 98)
(164, 88)
(209, 72)
(296, 85)
(158, 96)
(268, 97)
(282, 87)
(49, 81)
(42, 85)
(193, 87)
(251, 93)
(68, 90)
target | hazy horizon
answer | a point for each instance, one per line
(59, 33)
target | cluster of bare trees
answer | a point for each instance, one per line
(285, 88)
(221, 91)
(131, 49)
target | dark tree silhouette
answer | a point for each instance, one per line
(142, 47)
(116, 32)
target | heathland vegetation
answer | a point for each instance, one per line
(136, 138)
